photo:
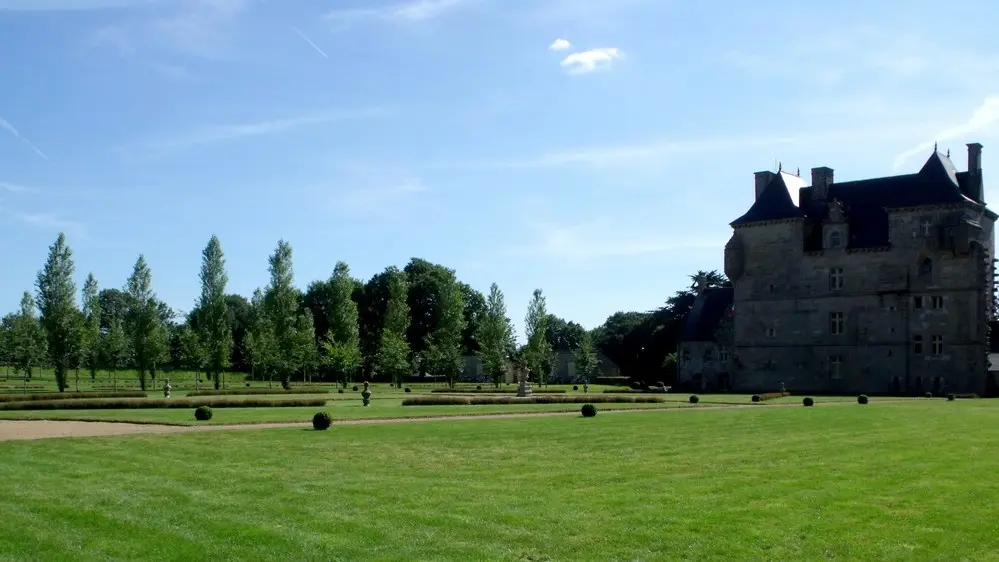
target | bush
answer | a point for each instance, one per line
(951, 396)
(637, 385)
(203, 413)
(322, 420)
(479, 387)
(408, 389)
(928, 395)
(694, 399)
(355, 388)
(126, 404)
(862, 399)
(253, 391)
(756, 398)
(661, 384)
(453, 400)
(772, 395)
(70, 396)
(808, 401)
(286, 383)
(492, 391)
(339, 391)
(588, 410)
(575, 387)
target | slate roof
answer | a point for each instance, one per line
(774, 203)
(708, 310)
(865, 202)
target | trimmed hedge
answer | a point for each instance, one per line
(950, 397)
(862, 399)
(928, 395)
(70, 396)
(491, 391)
(756, 398)
(322, 420)
(694, 399)
(118, 404)
(486, 400)
(203, 413)
(588, 410)
(253, 391)
(772, 395)
(808, 401)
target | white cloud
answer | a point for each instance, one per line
(560, 45)
(216, 133)
(309, 41)
(5, 125)
(48, 221)
(585, 62)
(981, 120)
(374, 199)
(414, 11)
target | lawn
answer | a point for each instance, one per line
(889, 481)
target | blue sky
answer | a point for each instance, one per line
(595, 149)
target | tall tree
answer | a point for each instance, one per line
(372, 300)
(114, 304)
(7, 343)
(306, 355)
(585, 357)
(281, 305)
(341, 343)
(475, 311)
(115, 349)
(258, 345)
(215, 328)
(393, 350)
(192, 353)
(91, 326)
(142, 319)
(56, 298)
(28, 339)
(563, 335)
(537, 353)
(496, 336)
(427, 283)
(443, 351)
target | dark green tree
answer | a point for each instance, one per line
(28, 339)
(143, 320)
(215, 328)
(91, 339)
(393, 353)
(496, 337)
(56, 299)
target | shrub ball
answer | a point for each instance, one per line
(661, 384)
(862, 399)
(339, 391)
(928, 395)
(756, 398)
(409, 389)
(322, 420)
(355, 388)
(588, 410)
(950, 397)
(636, 385)
(575, 387)
(694, 399)
(203, 413)
(478, 387)
(808, 401)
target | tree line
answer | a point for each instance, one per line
(419, 320)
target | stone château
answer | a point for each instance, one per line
(880, 286)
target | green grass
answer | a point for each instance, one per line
(891, 481)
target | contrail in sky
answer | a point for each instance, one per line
(309, 41)
(5, 124)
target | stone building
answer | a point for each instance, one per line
(880, 286)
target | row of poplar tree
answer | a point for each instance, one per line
(280, 341)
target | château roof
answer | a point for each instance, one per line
(707, 312)
(774, 203)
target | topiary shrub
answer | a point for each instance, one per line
(575, 387)
(203, 413)
(950, 397)
(478, 387)
(928, 395)
(286, 383)
(862, 399)
(588, 410)
(661, 384)
(637, 385)
(409, 389)
(355, 388)
(756, 398)
(694, 399)
(808, 401)
(339, 391)
(322, 420)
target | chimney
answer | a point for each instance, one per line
(977, 187)
(822, 178)
(762, 181)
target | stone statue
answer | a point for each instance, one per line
(167, 387)
(366, 394)
(524, 390)
(586, 387)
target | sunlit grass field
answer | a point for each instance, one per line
(904, 480)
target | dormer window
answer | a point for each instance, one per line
(835, 239)
(926, 267)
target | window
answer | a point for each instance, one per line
(836, 367)
(835, 239)
(771, 332)
(917, 344)
(836, 278)
(708, 356)
(936, 302)
(917, 302)
(836, 323)
(936, 345)
(723, 355)
(925, 227)
(926, 267)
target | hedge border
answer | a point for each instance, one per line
(112, 404)
(509, 400)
